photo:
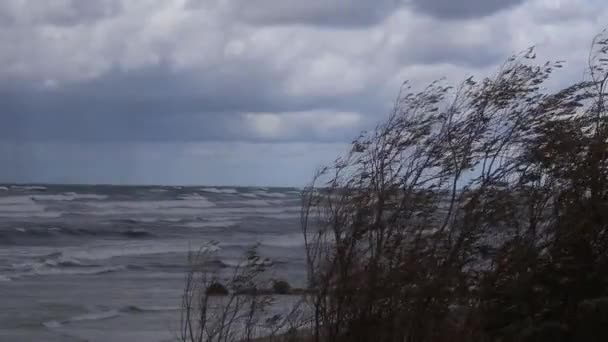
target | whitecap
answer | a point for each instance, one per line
(92, 316)
(71, 196)
(24, 206)
(271, 194)
(185, 205)
(77, 271)
(104, 252)
(229, 191)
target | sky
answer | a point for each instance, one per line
(241, 92)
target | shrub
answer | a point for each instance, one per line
(490, 195)
(281, 287)
(217, 289)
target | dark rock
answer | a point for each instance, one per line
(217, 289)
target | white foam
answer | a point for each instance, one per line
(18, 201)
(271, 194)
(4, 278)
(71, 196)
(220, 191)
(3, 188)
(108, 314)
(187, 205)
(23, 206)
(121, 249)
(52, 324)
(76, 271)
(93, 316)
(184, 209)
(58, 263)
(241, 263)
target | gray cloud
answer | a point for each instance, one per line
(56, 12)
(161, 104)
(450, 9)
(331, 13)
(123, 86)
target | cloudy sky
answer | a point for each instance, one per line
(239, 92)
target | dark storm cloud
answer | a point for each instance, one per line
(152, 104)
(336, 13)
(56, 12)
(160, 101)
(466, 9)
(436, 47)
(237, 91)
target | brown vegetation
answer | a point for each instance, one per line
(474, 213)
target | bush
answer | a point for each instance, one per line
(217, 289)
(281, 287)
(490, 195)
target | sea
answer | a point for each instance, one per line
(107, 263)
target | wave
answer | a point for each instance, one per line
(27, 215)
(126, 248)
(241, 262)
(93, 316)
(67, 270)
(211, 224)
(148, 219)
(29, 187)
(137, 233)
(258, 202)
(108, 314)
(287, 240)
(184, 205)
(228, 191)
(47, 232)
(78, 271)
(271, 194)
(71, 196)
(62, 263)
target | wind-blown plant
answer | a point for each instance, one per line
(237, 311)
(475, 212)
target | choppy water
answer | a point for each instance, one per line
(106, 263)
